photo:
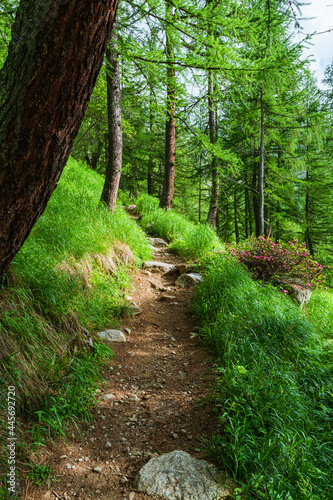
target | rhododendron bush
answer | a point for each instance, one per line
(280, 262)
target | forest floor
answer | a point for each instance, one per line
(153, 400)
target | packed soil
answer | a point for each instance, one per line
(153, 400)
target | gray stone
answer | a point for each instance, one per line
(134, 309)
(167, 297)
(108, 444)
(301, 294)
(97, 469)
(112, 335)
(178, 476)
(158, 242)
(159, 266)
(189, 279)
(109, 396)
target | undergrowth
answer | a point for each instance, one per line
(274, 386)
(69, 279)
(187, 239)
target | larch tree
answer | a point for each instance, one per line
(170, 125)
(115, 139)
(54, 57)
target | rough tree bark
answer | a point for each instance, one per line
(170, 126)
(54, 58)
(115, 137)
(214, 197)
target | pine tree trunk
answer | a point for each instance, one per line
(255, 201)
(150, 159)
(214, 197)
(115, 138)
(308, 238)
(247, 212)
(170, 126)
(236, 216)
(261, 168)
(54, 58)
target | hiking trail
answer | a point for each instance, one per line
(151, 402)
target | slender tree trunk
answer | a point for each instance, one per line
(217, 222)
(54, 58)
(200, 189)
(115, 138)
(308, 238)
(227, 219)
(160, 175)
(170, 126)
(247, 212)
(236, 216)
(214, 198)
(261, 168)
(150, 159)
(255, 201)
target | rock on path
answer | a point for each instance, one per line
(178, 476)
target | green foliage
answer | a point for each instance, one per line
(187, 239)
(74, 383)
(39, 473)
(273, 387)
(288, 262)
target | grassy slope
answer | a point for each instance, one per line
(274, 372)
(57, 287)
(274, 386)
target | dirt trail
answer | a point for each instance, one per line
(151, 402)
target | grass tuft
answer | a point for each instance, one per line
(187, 239)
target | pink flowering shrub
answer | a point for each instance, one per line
(284, 263)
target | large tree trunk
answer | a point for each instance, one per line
(170, 126)
(115, 138)
(54, 58)
(214, 197)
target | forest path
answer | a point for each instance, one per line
(150, 403)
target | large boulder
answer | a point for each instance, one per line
(179, 476)
(189, 279)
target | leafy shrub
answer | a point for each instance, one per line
(273, 387)
(269, 261)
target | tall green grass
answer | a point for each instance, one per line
(273, 391)
(58, 287)
(188, 239)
